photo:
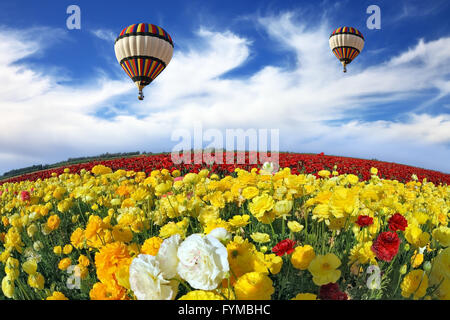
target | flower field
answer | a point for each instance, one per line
(320, 227)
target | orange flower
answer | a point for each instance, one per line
(109, 260)
(64, 264)
(151, 246)
(101, 291)
(77, 238)
(53, 222)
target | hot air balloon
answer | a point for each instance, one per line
(346, 43)
(144, 51)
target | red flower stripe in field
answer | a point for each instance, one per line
(299, 163)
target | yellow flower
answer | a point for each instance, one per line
(13, 240)
(321, 212)
(283, 208)
(201, 295)
(122, 234)
(373, 171)
(305, 296)
(294, 226)
(83, 260)
(440, 273)
(151, 246)
(254, 286)
(30, 266)
(56, 295)
(302, 257)
(415, 283)
(261, 207)
(122, 274)
(217, 199)
(163, 188)
(260, 237)
(191, 178)
(128, 203)
(415, 236)
(12, 268)
(324, 173)
(8, 286)
(416, 259)
(362, 253)
(240, 256)
(172, 228)
(31, 230)
(324, 269)
(67, 249)
(213, 224)
(442, 235)
(36, 281)
(100, 169)
(57, 250)
(65, 205)
(273, 263)
(352, 179)
(239, 221)
(250, 192)
(176, 173)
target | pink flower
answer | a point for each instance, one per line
(24, 195)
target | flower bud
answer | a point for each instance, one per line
(427, 266)
(403, 269)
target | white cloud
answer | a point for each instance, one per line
(104, 34)
(51, 122)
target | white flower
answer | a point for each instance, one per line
(221, 234)
(147, 281)
(167, 256)
(203, 261)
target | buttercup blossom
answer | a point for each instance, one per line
(203, 261)
(324, 269)
(397, 222)
(147, 281)
(302, 257)
(386, 246)
(284, 247)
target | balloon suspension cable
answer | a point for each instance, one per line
(141, 95)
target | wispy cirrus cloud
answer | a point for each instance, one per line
(105, 34)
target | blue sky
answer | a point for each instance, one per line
(236, 64)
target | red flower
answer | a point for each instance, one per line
(282, 247)
(24, 195)
(364, 221)
(386, 246)
(331, 291)
(397, 222)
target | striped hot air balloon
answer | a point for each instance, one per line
(143, 50)
(346, 43)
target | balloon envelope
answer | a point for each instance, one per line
(346, 44)
(143, 50)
